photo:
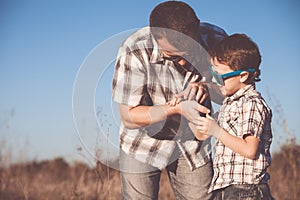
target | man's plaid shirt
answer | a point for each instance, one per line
(143, 77)
(244, 113)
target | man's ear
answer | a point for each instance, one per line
(244, 76)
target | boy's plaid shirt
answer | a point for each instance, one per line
(142, 77)
(244, 113)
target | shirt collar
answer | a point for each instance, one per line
(157, 56)
(241, 92)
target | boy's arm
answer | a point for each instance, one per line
(246, 146)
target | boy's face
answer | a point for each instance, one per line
(231, 84)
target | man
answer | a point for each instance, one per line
(153, 65)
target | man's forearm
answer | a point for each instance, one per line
(136, 117)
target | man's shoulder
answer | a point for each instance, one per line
(210, 35)
(212, 28)
(140, 36)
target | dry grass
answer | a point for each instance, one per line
(284, 170)
(53, 179)
(56, 179)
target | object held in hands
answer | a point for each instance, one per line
(207, 104)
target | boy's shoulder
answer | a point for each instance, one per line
(255, 97)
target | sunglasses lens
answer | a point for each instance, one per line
(173, 58)
(218, 78)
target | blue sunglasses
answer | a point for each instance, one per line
(220, 77)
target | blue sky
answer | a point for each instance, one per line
(44, 43)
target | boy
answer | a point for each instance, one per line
(243, 130)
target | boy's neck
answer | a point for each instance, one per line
(243, 87)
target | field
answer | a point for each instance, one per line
(57, 179)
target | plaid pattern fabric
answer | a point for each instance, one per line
(244, 113)
(143, 77)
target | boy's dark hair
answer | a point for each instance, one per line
(177, 16)
(239, 52)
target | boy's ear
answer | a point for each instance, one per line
(244, 76)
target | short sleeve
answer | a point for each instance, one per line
(254, 117)
(129, 79)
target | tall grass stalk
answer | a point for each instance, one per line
(107, 163)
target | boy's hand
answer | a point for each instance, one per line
(197, 134)
(207, 125)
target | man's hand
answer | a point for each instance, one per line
(190, 110)
(197, 91)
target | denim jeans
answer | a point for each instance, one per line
(244, 192)
(141, 181)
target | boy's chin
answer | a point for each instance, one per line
(223, 91)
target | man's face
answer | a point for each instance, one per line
(172, 53)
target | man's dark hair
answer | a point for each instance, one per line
(177, 16)
(239, 52)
